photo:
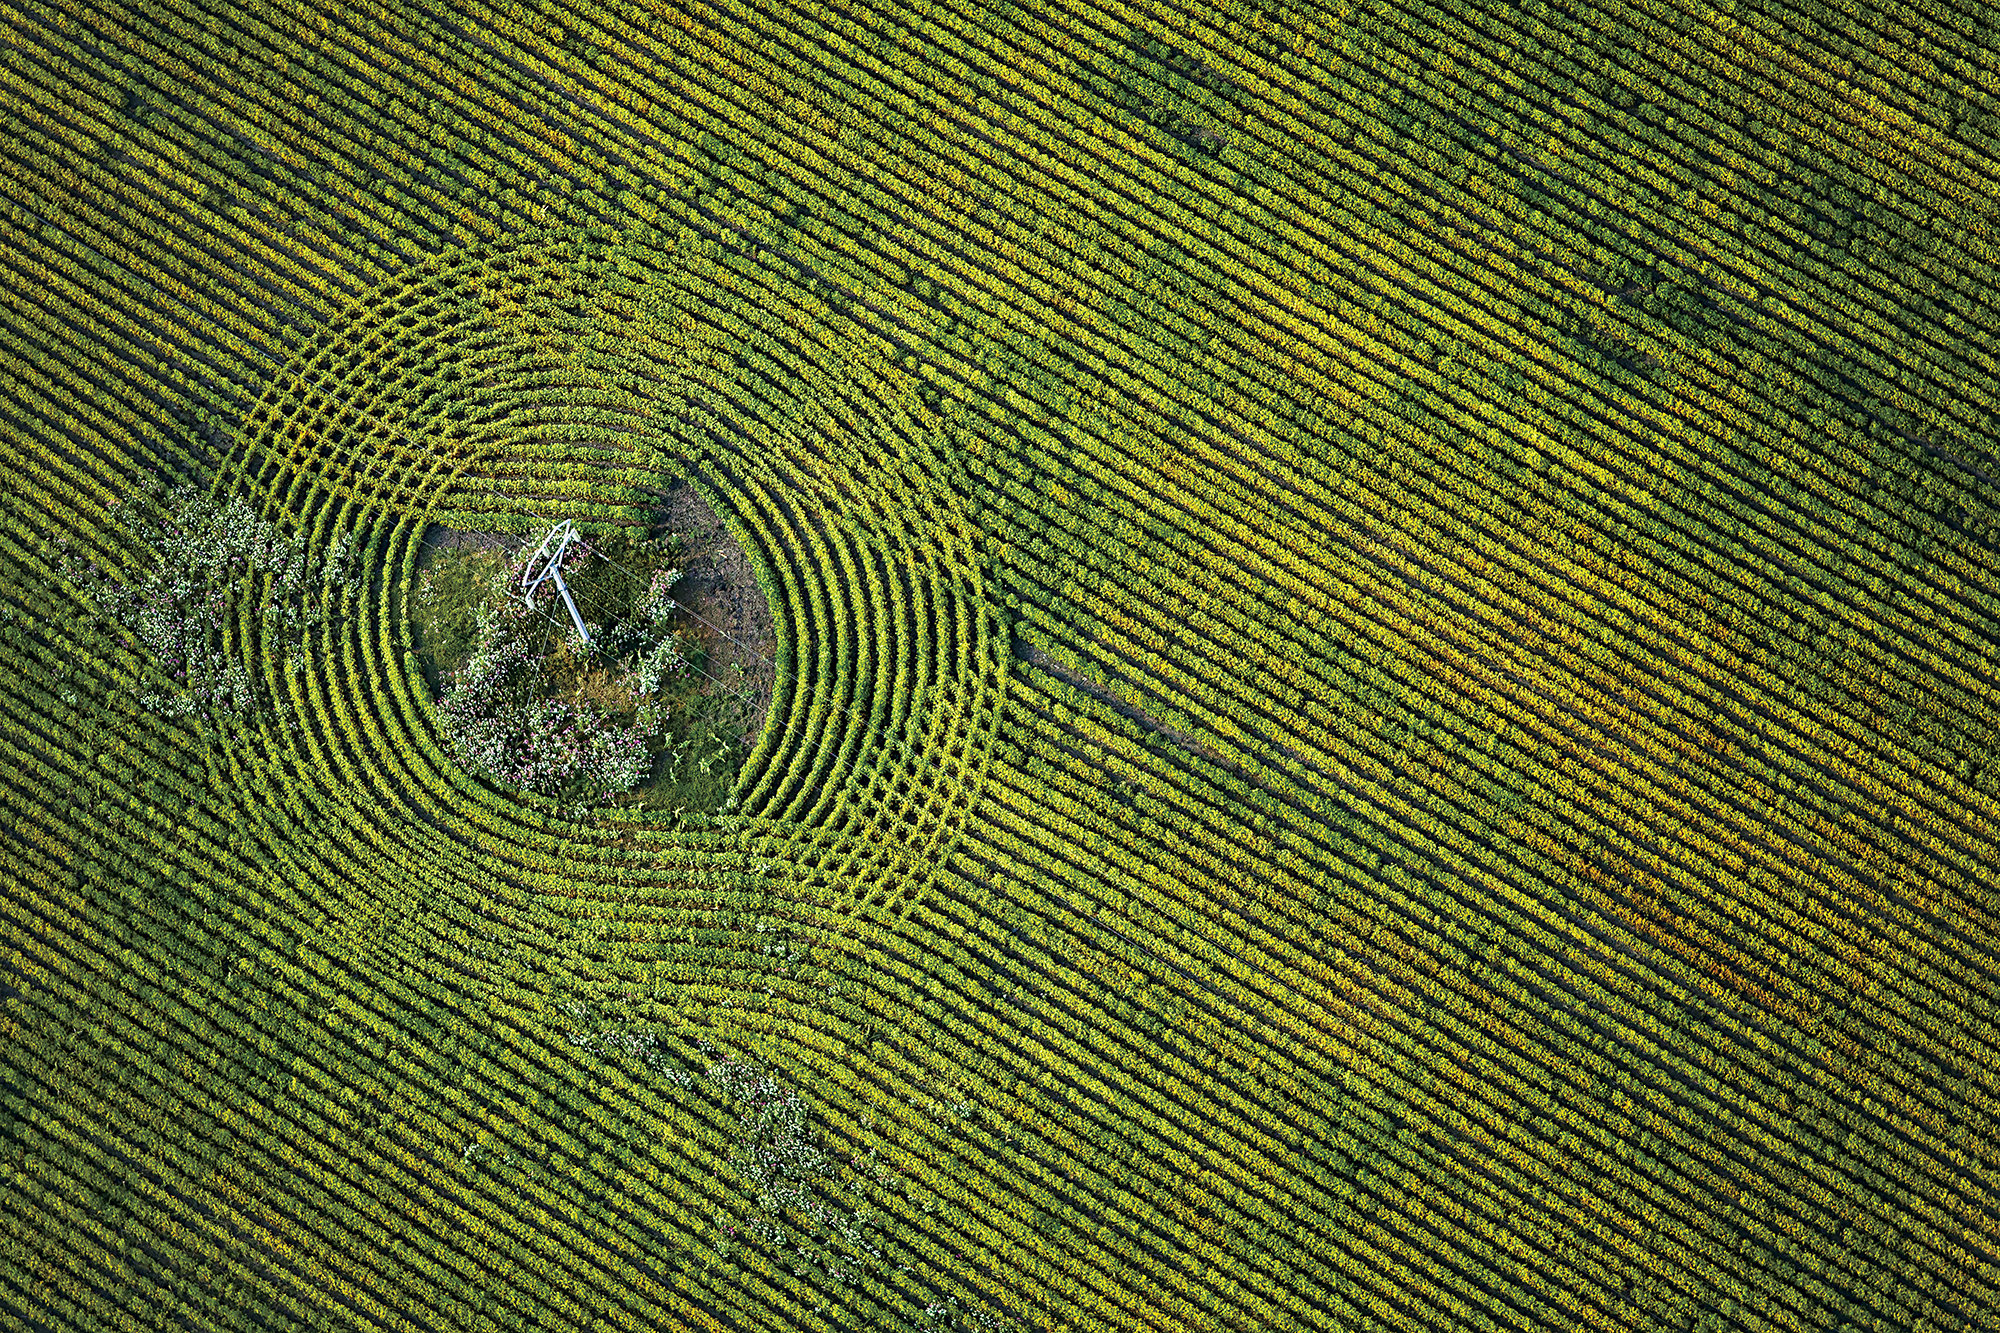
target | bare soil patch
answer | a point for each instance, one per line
(719, 587)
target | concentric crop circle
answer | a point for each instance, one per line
(570, 377)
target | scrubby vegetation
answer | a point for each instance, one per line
(631, 717)
(217, 589)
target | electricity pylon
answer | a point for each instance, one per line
(538, 569)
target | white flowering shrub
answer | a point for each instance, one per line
(214, 566)
(531, 708)
(656, 604)
(657, 664)
(500, 720)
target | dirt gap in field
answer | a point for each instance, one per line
(719, 586)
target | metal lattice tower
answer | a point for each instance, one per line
(543, 567)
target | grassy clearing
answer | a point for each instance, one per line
(467, 594)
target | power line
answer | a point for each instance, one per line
(619, 564)
(744, 695)
(563, 629)
(845, 708)
(790, 724)
(679, 606)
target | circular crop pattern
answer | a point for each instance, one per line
(570, 378)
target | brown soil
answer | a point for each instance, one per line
(719, 587)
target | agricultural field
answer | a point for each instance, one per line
(1270, 666)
